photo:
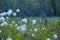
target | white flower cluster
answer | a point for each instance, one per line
(24, 20)
(2, 14)
(23, 28)
(9, 39)
(2, 18)
(14, 14)
(7, 17)
(33, 21)
(13, 22)
(48, 39)
(9, 12)
(33, 35)
(55, 36)
(17, 10)
(3, 23)
(35, 29)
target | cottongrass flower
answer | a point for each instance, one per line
(3, 14)
(33, 35)
(2, 18)
(48, 39)
(33, 21)
(35, 29)
(9, 39)
(30, 29)
(55, 36)
(16, 25)
(18, 28)
(4, 23)
(24, 20)
(43, 28)
(14, 14)
(17, 10)
(2, 39)
(9, 12)
(23, 28)
(0, 31)
(7, 17)
(13, 22)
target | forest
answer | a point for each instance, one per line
(31, 7)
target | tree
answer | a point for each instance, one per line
(53, 6)
(42, 5)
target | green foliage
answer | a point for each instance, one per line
(28, 1)
(1, 10)
(56, 26)
(42, 33)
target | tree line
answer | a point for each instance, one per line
(31, 7)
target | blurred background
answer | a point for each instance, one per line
(31, 7)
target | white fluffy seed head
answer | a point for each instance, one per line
(3, 14)
(55, 36)
(17, 10)
(13, 22)
(33, 21)
(23, 28)
(14, 14)
(9, 39)
(48, 39)
(24, 20)
(30, 29)
(4, 23)
(35, 29)
(9, 12)
(33, 35)
(7, 17)
(16, 25)
(18, 28)
(43, 28)
(2, 19)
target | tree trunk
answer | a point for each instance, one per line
(53, 6)
(42, 5)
